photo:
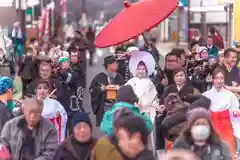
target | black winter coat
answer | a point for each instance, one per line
(66, 151)
(5, 115)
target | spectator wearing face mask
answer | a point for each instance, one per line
(200, 137)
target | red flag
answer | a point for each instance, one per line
(57, 123)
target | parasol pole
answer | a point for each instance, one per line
(147, 43)
(145, 40)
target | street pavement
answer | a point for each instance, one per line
(92, 71)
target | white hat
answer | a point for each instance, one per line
(42, 53)
(65, 54)
(131, 49)
(220, 52)
(16, 24)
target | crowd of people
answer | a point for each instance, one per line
(187, 110)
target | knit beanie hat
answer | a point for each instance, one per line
(63, 59)
(5, 84)
(81, 117)
(203, 102)
(198, 113)
(126, 94)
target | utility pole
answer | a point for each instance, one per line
(226, 8)
(230, 14)
(179, 11)
(21, 14)
(84, 6)
(84, 13)
(203, 22)
(41, 6)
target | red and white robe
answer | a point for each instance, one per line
(51, 108)
(224, 105)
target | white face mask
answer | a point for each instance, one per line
(200, 132)
(66, 45)
(42, 53)
(29, 54)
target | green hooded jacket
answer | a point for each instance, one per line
(107, 122)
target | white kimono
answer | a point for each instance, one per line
(50, 109)
(147, 95)
(225, 100)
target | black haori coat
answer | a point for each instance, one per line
(98, 97)
(72, 87)
(185, 91)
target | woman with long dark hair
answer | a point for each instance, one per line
(223, 105)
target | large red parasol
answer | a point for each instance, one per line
(133, 20)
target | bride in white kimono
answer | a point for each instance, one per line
(146, 92)
(52, 110)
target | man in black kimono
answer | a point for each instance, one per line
(97, 91)
(77, 64)
(73, 87)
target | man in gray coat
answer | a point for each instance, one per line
(30, 136)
